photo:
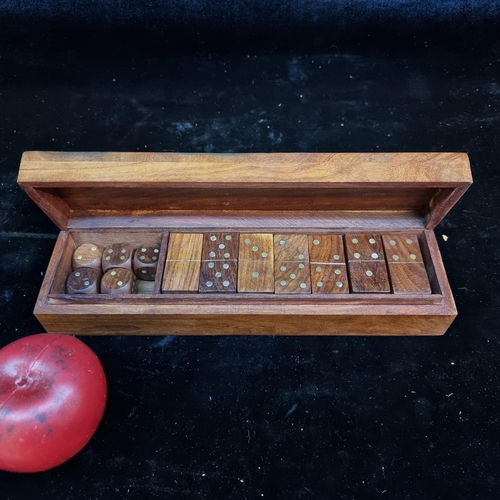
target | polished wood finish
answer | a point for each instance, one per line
(409, 278)
(139, 185)
(220, 246)
(362, 247)
(256, 276)
(326, 249)
(118, 281)
(327, 264)
(182, 264)
(329, 278)
(256, 263)
(256, 247)
(84, 280)
(369, 277)
(291, 277)
(87, 255)
(145, 262)
(291, 264)
(139, 198)
(405, 263)
(117, 255)
(402, 248)
(218, 276)
(181, 276)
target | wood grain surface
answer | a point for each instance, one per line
(74, 189)
(300, 198)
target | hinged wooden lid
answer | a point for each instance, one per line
(75, 188)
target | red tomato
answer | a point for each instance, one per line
(52, 398)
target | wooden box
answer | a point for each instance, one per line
(296, 200)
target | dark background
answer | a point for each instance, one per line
(268, 417)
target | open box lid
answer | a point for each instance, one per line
(133, 189)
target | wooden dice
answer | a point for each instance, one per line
(84, 280)
(145, 262)
(87, 255)
(117, 255)
(118, 281)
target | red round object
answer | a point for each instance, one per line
(52, 398)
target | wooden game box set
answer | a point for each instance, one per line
(279, 243)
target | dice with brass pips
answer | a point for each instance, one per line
(84, 280)
(87, 255)
(117, 255)
(145, 262)
(118, 281)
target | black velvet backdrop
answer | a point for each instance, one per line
(268, 417)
